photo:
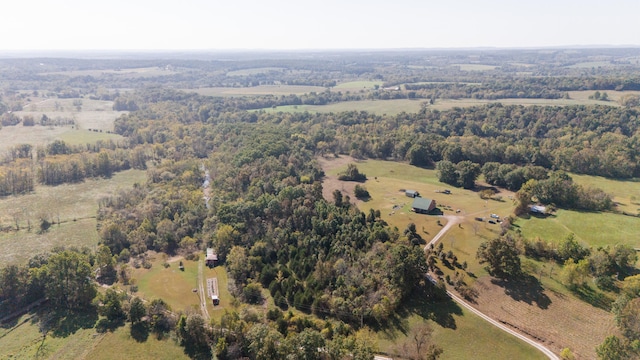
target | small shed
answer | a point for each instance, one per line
(423, 205)
(211, 258)
(411, 193)
(215, 300)
(538, 209)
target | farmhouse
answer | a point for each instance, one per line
(411, 193)
(211, 258)
(423, 205)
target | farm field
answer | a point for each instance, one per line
(66, 202)
(127, 73)
(356, 85)
(128, 348)
(389, 107)
(23, 340)
(257, 90)
(448, 104)
(475, 67)
(593, 229)
(93, 114)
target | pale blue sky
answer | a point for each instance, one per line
(320, 24)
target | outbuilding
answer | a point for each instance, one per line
(411, 193)
(423, 205)
(211, 258)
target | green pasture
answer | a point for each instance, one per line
(357, 85)
(128, 348)
(226, 302)
(388, 107)
(170, 284)
(92, 114)
(23, 340)
(257, 90)
(594, 229)
(591, 64)
(448, 104)
(75, 205)
(462, 335)
(474, 67)
(626, 193)
(126, 73)
(255, 71)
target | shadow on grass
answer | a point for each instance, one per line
(426, 303)
(140, 331)
(527, 289)
(63, 323)
(593, 297)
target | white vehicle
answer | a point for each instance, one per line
(495, 216)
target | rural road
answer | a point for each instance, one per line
(452, 220)
(201, 293)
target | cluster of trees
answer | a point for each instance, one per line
(511, 176)
(559, 190)
(352, 174)
(462, 174)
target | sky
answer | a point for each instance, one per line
(319, 24)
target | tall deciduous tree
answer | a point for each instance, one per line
(501, 257)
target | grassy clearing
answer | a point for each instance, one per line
(388, 107)
(93, 114)
(468, 337)
(128, 348)
(626, 193)
(591, 64)
(24, 341)
(474, 67)
(594, 229)
(257, 90)
(127, 73)
(255, 71)
(170, 284)
(226, 300)
(66, 202)
(357, 85)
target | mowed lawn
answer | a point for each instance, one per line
(75, 205)
(593, 229)
(170, 284)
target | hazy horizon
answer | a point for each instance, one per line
(286, 25)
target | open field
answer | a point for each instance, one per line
(255, 71)
(170, 284)
(128, 73)
(68, 202)
(474, 67)
(93, 114)
(389, 107)
(128, 348)
(257, 90)
(356, 85)
(447, 104)
(594, 229)
(626, 193)
(591, 64)
(24, 339)
(467, 336)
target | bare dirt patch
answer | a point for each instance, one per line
(554, 319)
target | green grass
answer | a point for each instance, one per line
(170, 284)
(257, 90)
(226, 302)
(594, 229)
(125, 73)
(24, 340)
(81, 137)
(357, 85)
(255, 71)
(591, 64)
(460, 333)
(128, 348)
(626, 193)
(68, 202)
